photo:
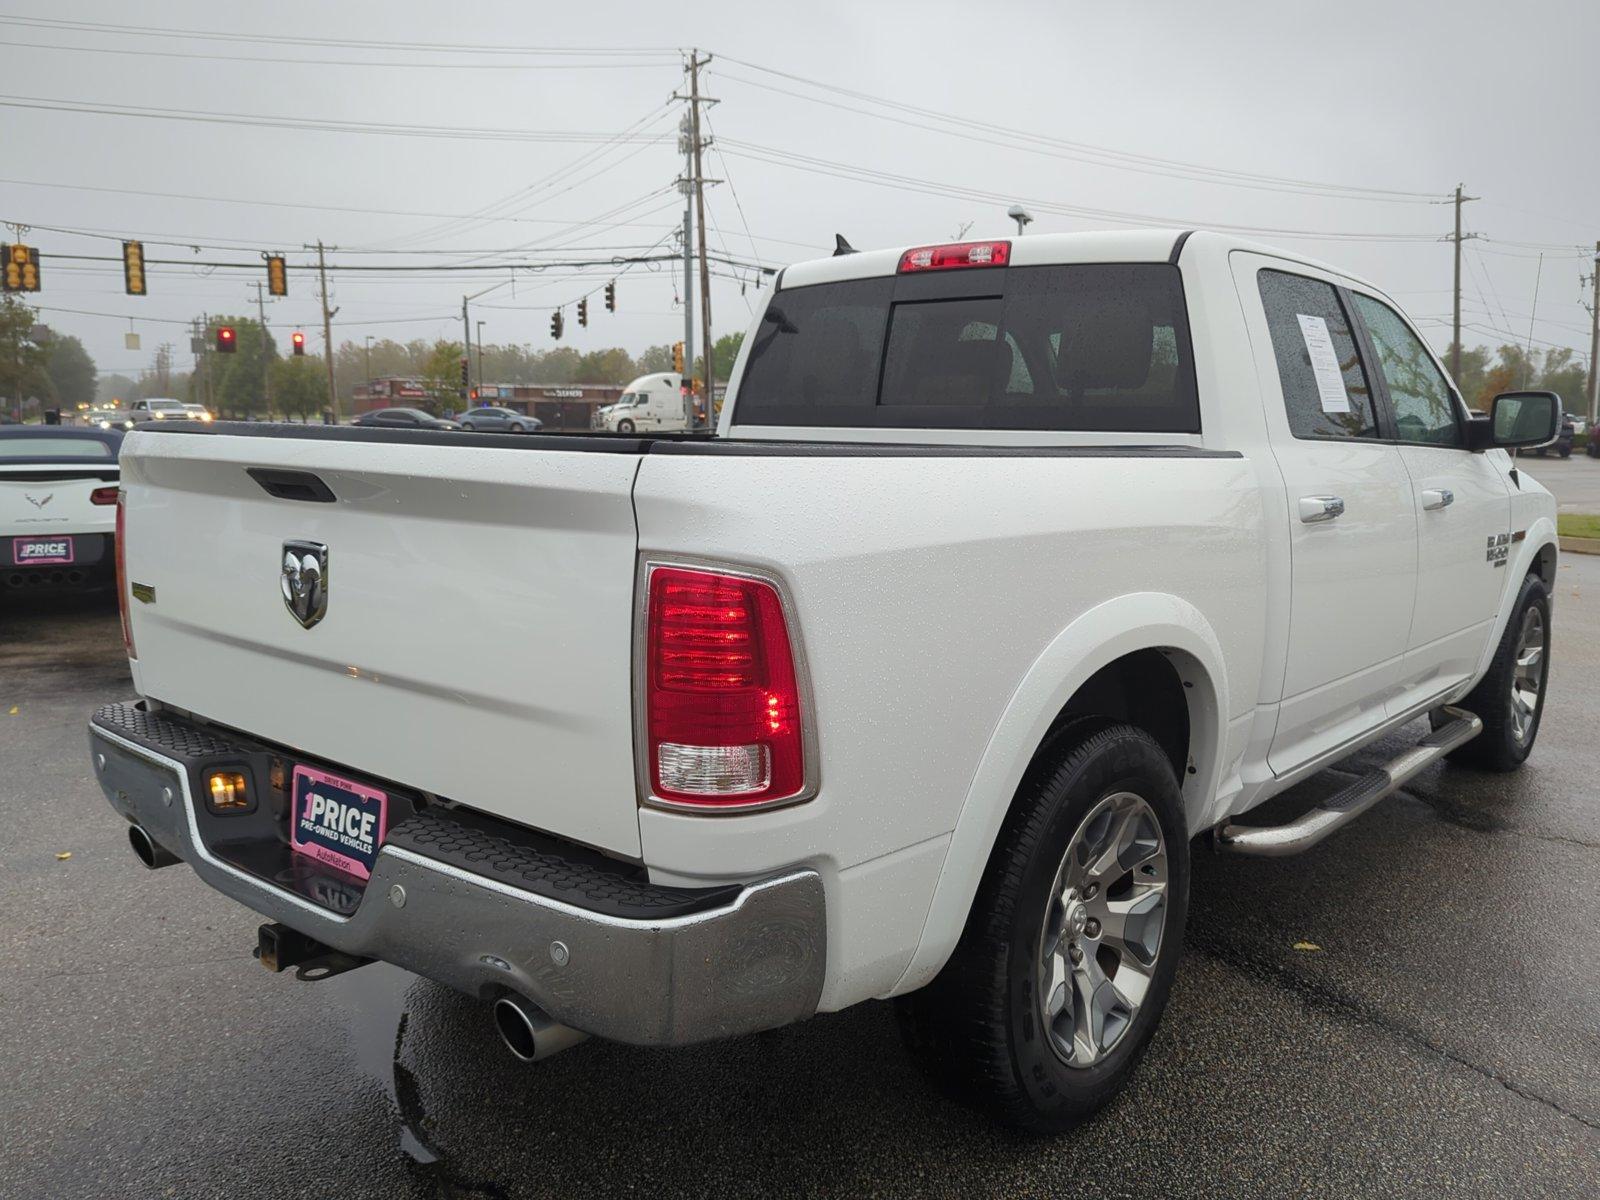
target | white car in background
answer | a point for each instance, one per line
(58, 506)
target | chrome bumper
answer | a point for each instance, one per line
(754, 963)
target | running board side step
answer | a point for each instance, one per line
(1340, 809)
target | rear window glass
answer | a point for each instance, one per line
(1094, 347)
(1325, 391)
(48, 447)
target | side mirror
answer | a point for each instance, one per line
(1517, 419)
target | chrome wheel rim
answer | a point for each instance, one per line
(1103, 929)
(1528, 675)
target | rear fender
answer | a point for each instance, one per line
(1139, 621)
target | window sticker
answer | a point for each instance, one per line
(1324, 364)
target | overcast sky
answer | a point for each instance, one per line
(1391, 103)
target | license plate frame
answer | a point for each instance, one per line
(337, 821)
(62, 547)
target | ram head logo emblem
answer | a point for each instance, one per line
(305, 581)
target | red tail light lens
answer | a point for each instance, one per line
(724, 725)
(955, 254)
(122, 570)
(104, 495)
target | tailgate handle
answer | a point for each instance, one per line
(292, 485)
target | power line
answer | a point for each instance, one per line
(339, 208)
(335, 62)
(314, 124)
(1127, 159)
(775, 157)
(370, 44)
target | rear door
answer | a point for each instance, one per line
(1353, 553)
(477, 637)
(1462, 502)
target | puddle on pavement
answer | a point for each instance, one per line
(376, 1001)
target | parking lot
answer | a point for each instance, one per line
(1442, 1037)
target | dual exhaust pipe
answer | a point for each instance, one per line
(526, 1029)
(151, 852)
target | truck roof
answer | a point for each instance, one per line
(1122, 245)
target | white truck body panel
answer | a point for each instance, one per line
(460, 653)
(953, 588)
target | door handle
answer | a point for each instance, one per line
(1438, 498)
(1320, 508)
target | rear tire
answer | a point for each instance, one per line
(1509, 699)
(1067, 958)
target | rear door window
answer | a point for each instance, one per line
(1093, 347)
(1325, 390)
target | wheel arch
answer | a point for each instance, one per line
(1131, 638)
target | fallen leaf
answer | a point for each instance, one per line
(63, 856)
(1308, 946)
(13, 711)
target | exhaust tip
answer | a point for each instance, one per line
(151, 852)
(516, 1028)
(528, 1031)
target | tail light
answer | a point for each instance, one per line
(106, 495)
(122, 572)
(723, 713)
(955, 254)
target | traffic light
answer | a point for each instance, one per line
(583, 311)
(677, 357)
(611, 296)
(227, 341)
(556, 324)
(466, 378)
(277, 276)
(133, 268)
(22, 268)
(298, 341)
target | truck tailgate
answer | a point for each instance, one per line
(477, 637)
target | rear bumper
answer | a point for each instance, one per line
(754, 959)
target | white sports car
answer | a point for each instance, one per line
(58, 506)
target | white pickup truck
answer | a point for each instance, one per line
(1013, 569)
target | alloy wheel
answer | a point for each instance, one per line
(1102, 933)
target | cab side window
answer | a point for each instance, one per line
(1325, 390)
(1424, 410)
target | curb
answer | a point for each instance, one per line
(1579, 545)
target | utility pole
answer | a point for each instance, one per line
(266, 372)
(1455, 324)
(687, 187)
(1591, 394)
(327, 326)
(696, 144)
(466, 352)
(480, 357)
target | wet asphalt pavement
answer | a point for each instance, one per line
(1444, 1039)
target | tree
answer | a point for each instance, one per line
(22, 360)
(441, 378)
(724, 352)
(71, 372)
(115, 387)
(299, 386)
(654, 360)
(605, 366)
(238, 382)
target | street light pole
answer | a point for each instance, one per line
(369, 362)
